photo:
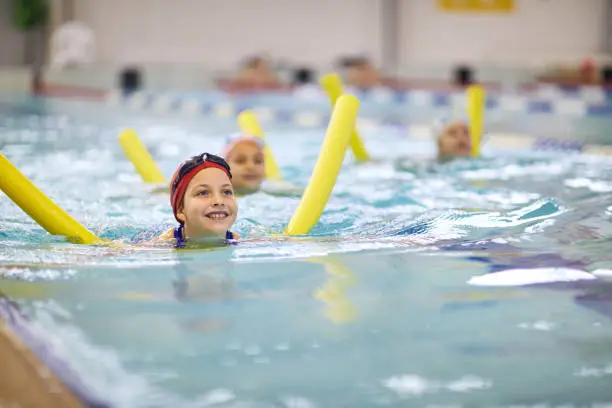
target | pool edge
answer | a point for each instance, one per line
(28, 378)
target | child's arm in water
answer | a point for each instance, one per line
(166, 235)
(163, 238)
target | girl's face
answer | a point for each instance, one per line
(455, 140)
(209, 207)
(246, 160)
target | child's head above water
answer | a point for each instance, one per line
(202, 197)
(453, 137)
(245, 155)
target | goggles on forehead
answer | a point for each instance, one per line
(197, 161)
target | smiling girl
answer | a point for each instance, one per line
(203, 202)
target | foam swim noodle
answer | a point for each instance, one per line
(332, 85)
(138, 154)
(40, 207)
(476, 102)
(325, 173)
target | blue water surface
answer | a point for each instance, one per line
(378, 306)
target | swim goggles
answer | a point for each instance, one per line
(197, 161)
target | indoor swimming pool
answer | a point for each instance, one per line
(459, 284)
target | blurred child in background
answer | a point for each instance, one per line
(245, 156)
(256, 72)
(453, 141)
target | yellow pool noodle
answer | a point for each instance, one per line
(339, 308)
(138, 154)
(250, 126)
(476, 102)
(332, 85)
(328, 166)
(40, 207)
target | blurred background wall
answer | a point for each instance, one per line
(192, 43)
(219, 33)
(12, 41)
(536, 29)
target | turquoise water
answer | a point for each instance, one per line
(385, 304)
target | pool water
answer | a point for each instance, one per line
(413, 289)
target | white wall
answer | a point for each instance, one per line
(12, 41)
(537, 30)
(221, 32)
(15, 79)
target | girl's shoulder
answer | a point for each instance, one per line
(159, 239)
(164, 237)
(168, 235)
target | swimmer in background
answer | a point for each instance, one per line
(453, 141)
(360, 73)
(245, 156)
(203, 202)
(256, 72)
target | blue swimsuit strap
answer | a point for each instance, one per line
(180, 241)
(178, 235)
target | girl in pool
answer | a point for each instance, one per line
(453, 141)
(245, 156)
(453, 138)
(203, 202)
